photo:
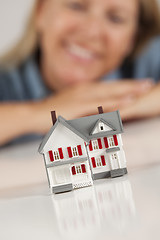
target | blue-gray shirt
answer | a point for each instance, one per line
(23, 83)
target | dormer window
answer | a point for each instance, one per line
(101, 127)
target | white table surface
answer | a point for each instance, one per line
(123, 208)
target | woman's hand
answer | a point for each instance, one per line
(82, 100)
(147, 105)
(34, 117)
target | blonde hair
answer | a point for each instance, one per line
(149, 26)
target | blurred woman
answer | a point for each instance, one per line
(68, 47)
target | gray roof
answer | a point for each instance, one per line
(84, 126)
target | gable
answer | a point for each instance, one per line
(60, 122)
(101, 126)
(62, 137)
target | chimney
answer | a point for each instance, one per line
(100, 109)
(53, 115)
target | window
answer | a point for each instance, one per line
(75, 151)
(111, 142)
(95, 144)
(114, 156)
(101, 126)
(98, 162)
(56, 155)
(78, 169)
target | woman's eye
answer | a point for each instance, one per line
(76, 5)
(116, 19)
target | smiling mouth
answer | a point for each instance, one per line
(81, 53)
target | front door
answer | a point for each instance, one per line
(114, 161)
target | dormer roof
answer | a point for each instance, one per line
(106, 127)
(85, 125)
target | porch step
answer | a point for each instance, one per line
(118, 172)
(62, 188)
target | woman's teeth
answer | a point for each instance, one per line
(81, 52)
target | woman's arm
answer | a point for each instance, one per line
(19, 119)
(16, 119)
(146, 106)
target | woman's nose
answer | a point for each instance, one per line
(94, 27)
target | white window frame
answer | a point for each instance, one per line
(75, 151)
(114, 156)
(95, 145)
(56, 155)
(78, 169)
(98, 162)
(101, 125)
(111, 142)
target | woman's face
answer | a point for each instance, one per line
(81, 40)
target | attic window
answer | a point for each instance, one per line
(101, 126)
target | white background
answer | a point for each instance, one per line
(13, 15)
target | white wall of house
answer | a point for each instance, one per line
(62, 137)
(110, 163)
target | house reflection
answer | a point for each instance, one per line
(107, 205)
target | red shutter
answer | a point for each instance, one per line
(83, 168)
(93, 162)
(73, 170)
(103, 160)
(51, 156)
(60, 153)
(90, 146)
(69, 152)
(115, 140)
(106, 142)
(79, 150)
(99, 143)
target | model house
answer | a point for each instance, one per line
(78, 151)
